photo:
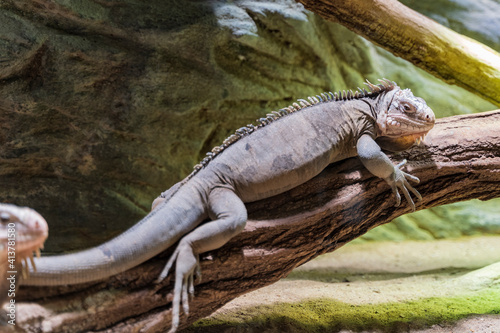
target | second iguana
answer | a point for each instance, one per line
(283, 150)
(22, 234)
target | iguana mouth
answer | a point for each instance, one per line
(399, 125)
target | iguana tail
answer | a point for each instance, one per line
(155, 233)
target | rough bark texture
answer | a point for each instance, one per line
(460, 160)
(442, 52)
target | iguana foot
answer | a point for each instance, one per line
(187, 265)
(399, 179)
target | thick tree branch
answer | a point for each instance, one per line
(460, 161)
(454, 58)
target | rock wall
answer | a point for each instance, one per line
(103, 105)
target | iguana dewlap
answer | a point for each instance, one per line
(285, 149)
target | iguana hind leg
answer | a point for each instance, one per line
(229, 215)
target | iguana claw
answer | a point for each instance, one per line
(187, 266)
(399, 179)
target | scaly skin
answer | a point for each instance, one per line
(287, 149)
(22, 233)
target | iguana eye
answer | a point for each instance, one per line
(4, 217)
(407, 108)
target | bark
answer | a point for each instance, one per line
(459, 161)
(454, 58)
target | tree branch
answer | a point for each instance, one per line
(460, 161)
(450, 56)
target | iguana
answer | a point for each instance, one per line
(285, 149)
(22, 233)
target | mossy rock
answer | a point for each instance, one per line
(325, 315)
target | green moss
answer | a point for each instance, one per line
(325, 315)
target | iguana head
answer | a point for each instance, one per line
(22, 232)
(405, 122)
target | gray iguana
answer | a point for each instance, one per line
(285, 149)
(22, 234)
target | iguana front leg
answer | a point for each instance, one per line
(229, 216)
(380, 165)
